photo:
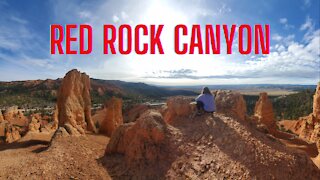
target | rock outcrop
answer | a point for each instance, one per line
(231, 103)
(178, 106)
(15, 116)
(203, 147)
(316, 104)
(74, 102)
(316, 160)
(113, 116)
(141, 141)
(35, 124)
(1, 116)
(135, 112)
(55, 117)
(12, 133)
(13, 124)
(308, 127)
(3, 125)
(263, 111)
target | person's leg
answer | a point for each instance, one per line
(200, 107)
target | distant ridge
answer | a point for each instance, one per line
(43, 92)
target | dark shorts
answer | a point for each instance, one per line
(200, 106)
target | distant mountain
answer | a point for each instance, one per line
(292, 87)
(41, 93)
(140, 89)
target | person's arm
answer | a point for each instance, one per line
(198, 98)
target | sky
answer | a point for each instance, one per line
(294, 41)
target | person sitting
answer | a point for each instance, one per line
(205, 102)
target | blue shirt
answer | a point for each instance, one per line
(208, 101)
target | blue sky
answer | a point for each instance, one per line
(294, 27)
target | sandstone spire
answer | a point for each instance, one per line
(113, 116)
(74, 102)
(264, 111)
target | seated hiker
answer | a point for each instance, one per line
(205, 102)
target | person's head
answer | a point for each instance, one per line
(206, 90)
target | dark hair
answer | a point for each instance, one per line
(206, 90)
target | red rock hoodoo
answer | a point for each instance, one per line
(231, 104)
(140, 141)
(74, 103)
(178, 106)
(112, 116)
(263, 111)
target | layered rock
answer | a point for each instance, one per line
(231, 104)
(113, 116)
(178, 106)
(142, 140)
(74, 102)
(263, 111)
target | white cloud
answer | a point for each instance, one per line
(285, 23)
(124, 15)
(293, 61)
(283, 20)
(289, 61)
(276, 37)
(308, 25)
(224, 9)
(18, 20)
(115, 18)
(84, 14)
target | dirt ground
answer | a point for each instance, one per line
(206, 147)
(70, 158)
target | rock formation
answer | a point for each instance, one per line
(14, 116)
(3, 125)
(55, 118)
(140, 141)
(1, 116)
(231, 103)
(308, 127)
(316, 160)
(12, 133)
(34, 125)
(178, 106)
(135, 112)
(13, 124)
(206, 147)
(74, 102)
(316, 104)
(263, 111)
(113, 116)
